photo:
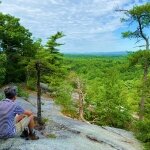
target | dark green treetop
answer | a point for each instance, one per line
(17, 44)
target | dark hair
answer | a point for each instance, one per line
(10, 92)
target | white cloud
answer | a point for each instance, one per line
(78, 19)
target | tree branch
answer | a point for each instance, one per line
(140, 28)
(139, 46)
(122, 10)
(138, 41)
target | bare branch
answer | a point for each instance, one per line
(138, 41)
(121, 10)
(139, 46)
(95, 120)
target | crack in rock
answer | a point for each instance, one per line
(92, 138)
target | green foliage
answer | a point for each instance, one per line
(64, 98)
(56, 65)
(53, 136)
(142, 130)
(45, 120)
(141, 57)
(52, 43)
(129, 34)
(2, 96)
(139, 15)
(2, 68)
(51, 63)
(31, 83)
(21, 92)
(16, 43)
(110, 105)
(46, 63)
(111, 88)
(142, 11)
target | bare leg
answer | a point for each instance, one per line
(31, 123)
(31, 126)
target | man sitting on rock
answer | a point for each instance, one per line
(13, 118)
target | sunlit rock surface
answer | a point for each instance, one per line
(63, 133)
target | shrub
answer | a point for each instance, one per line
(2, 68)
(143, 132)
(22, 93)
(109, 103)
(1, 96)
(31, 83)
(64, 99)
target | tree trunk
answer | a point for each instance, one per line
(147, 44)
(38, 69)
(80, 106)
(81, 100)
(142, 34)
(80, 94)
(142, 102)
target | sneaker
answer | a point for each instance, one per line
(33, 136)
(25, 134)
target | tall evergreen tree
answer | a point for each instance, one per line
(45, 65)
(141, 16)
(142, 57)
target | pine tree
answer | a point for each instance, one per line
(45, 64)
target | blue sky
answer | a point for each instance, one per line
(89, 25)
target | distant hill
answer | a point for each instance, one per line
(120, 53)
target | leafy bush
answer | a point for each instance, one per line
(31, 83)
(22, 92)
(1, 96)
(64, 99)
(110, 104)
(2, 68)
(143, 132)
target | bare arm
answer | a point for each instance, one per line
(28, 113)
